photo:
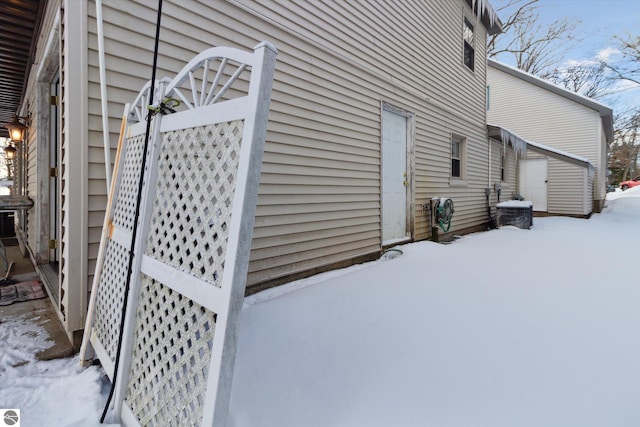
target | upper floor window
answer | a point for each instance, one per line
(469, 49)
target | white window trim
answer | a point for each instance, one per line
(456, 181)
(464, 40)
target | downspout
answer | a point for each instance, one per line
(490, 168)
(487, 191)
(103, 95)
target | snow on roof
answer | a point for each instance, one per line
(517, 142)
(562, 153)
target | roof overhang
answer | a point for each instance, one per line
(521, 145)
(19, 26)
(605, 112)
(487, 15)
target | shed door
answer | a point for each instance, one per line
(394, 176)
(533, 182)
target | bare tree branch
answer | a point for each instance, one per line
(628, 67)
(535, 48)
(590, 79)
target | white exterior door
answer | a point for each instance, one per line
(394, 176)
(533, 182)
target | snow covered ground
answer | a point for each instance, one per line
(53, 393)
(505, 328)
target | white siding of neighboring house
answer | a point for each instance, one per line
(547, 118)
(319, 199)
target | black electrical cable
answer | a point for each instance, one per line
(136, 215)
(489, 216)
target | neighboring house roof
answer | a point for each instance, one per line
(520, 144)
(606, 113)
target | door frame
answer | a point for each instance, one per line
(410, 193)
(54, 171)
(49, 127)
(542, 160)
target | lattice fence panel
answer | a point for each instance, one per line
(123, 215)
(192, 209)
(110, 298)
(197, 213)
(172, 352)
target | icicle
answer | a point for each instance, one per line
(485, 7)
(519, 145)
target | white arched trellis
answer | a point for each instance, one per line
(193, 240)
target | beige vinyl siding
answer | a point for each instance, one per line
(566, 192)
(319, 197)
(588, 201)
(550, 119)
(509, 185)
(542, 116)
(568, 187)
(600, 187)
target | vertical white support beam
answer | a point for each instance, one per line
(103, 94)
(75, 164)
(223, 356)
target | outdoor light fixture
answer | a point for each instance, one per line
(10, 152)
(17, 129)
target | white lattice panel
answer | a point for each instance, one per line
(128, 191)
(192, 209)
(110, 298)
(104, 318)
(171, 357)
(191, 242)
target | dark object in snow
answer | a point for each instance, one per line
(516, 213)
(6, 282)
(23, 291)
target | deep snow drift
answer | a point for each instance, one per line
(505, 328)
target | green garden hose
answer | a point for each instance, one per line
(444, 213)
